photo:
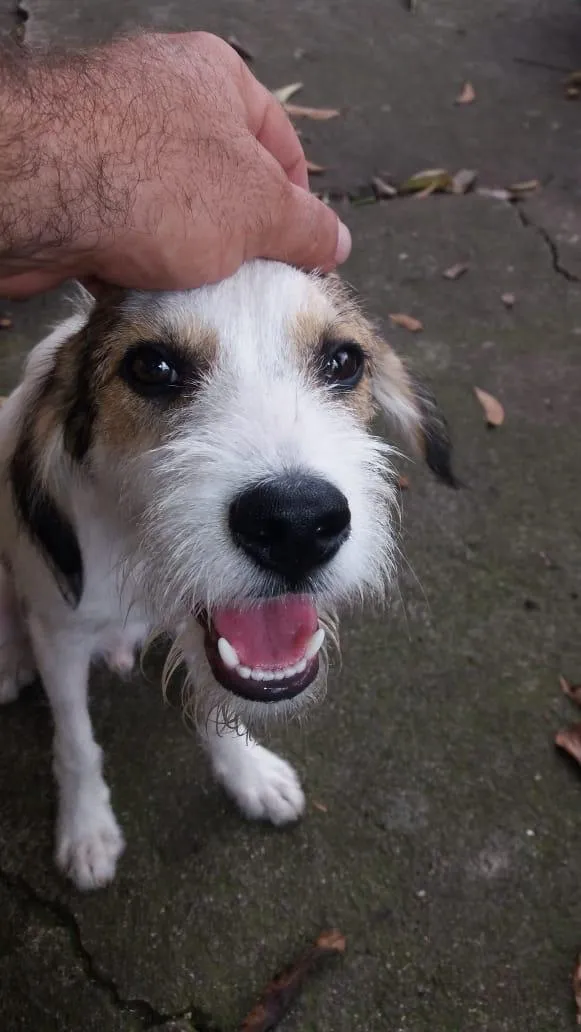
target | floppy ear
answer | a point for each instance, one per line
(46, 525)
(413, 408)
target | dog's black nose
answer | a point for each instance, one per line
(291, 524)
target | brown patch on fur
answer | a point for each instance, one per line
(88, 398)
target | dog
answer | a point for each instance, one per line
(198, 464)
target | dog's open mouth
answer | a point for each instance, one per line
(268, 652)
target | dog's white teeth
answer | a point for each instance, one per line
(315, 644)
(301, 666)
(244, 672)
(228, 654)
(279, 675)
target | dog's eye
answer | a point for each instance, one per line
(150, 371)
(343, 367)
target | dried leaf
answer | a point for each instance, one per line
(467, 94)
(383, 190)
(5, 322)
(508, 300)
(284, 93)
(495, 193)
(316, 114)
(240, 49)
(529, 186)
(320, 806)
(407, 322)
(576, 986)
(569, 740)
(455, 271)
(436, 178)
(463, 181)
(315, 170)
(572, 691)
(493, 410)
(284, 989)
(403, 483)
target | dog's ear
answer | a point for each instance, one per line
(44, 522)
(411, 406)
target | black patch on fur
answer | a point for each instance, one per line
(46, 525)
(81, 413)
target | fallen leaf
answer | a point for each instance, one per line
(455, 271)
(467, 94)
(5, 322)
(569, 740)
(529, 186)
(315, 170)
(434, 178)
(240, 49)
(403, 483)
(508, 300)
(572, 691)
(383, 190)
(463, 181)
(320, 806)
(493, 410)
(317, 114)
(284, 93)
(407, 322)
(495, 193)
(279, 996)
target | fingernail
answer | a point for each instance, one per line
(343, 244)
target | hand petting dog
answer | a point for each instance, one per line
(152, 162)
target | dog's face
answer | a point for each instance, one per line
(230, 425)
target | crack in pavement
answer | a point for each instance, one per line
(529, 223)
(144, 1011)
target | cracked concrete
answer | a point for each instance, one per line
(448, 849)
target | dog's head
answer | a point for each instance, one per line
(230, 427)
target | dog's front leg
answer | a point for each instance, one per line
(264, 786)
(88, 839)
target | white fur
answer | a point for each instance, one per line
(155, 542)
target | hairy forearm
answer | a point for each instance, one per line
(65, 169)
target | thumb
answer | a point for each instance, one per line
(306, 233)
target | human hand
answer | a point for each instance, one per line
(152, 162)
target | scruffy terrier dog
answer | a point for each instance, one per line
(197, 463)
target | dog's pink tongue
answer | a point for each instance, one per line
(272, 634)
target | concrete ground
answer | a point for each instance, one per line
(447, 850)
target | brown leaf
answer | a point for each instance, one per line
(569, 740)
(403, 483)
(529, 186)
(572, 691)
(433, 178)
(320, 806)
(493, 410)
(279, 996)
(315, 170)
(317, 114)
(467, 94)
(455, 271)
(407, 322)
(463, 181)
(383, 190)
(284, 93)
(5, 322)
(508, 300)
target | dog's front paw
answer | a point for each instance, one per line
(264, 786)
(88, 849)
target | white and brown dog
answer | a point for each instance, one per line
(197, 463)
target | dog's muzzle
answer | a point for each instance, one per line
(289, 527)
